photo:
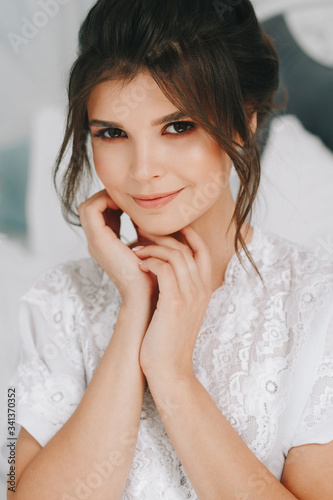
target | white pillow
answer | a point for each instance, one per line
(296, 195)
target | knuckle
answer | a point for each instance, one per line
(178, 254)
(80, 208)
(165, 267)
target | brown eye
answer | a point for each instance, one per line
(180, 127)
(110, 133)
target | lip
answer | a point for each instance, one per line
(156, 200)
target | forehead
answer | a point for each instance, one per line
(142, 90)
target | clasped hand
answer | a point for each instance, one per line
(184, 280)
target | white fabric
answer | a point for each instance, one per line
(264, 354)
(295, 194)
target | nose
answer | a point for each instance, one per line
(146, 162)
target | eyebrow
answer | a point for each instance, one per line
(160, 121)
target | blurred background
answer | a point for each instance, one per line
(38, 46)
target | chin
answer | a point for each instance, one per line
(160, 228)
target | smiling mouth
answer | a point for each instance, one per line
(156, 201)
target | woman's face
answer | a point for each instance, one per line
(140, 150)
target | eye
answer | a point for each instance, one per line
(181, 128)
(109, 133)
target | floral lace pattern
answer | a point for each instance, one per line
(253, 334)
(62, 392)
(320, 404)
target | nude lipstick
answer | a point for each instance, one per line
(156, 200)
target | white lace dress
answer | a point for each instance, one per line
(264, 354)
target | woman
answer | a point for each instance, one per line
(197, 366)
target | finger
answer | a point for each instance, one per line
(201, 252)
(104, 194)
(166, 279)
(92, 211)
(171, 242)
(186, 279)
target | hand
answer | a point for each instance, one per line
(184, 275)
(100, 219)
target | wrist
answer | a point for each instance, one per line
(139, 301)
(132, 323)
(169, 378)
(170, 391)
(165, 368)
(136, 307)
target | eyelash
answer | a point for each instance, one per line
(100, 133)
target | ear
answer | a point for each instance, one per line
(253, 122)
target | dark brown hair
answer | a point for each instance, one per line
(211, 59)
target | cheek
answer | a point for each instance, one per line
(202, 157)
(107, 170)
(195, 151)
(99, 159)
(211, 169)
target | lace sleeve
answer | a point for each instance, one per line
(316, 424)
(50, 377)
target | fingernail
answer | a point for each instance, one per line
(135, 249)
